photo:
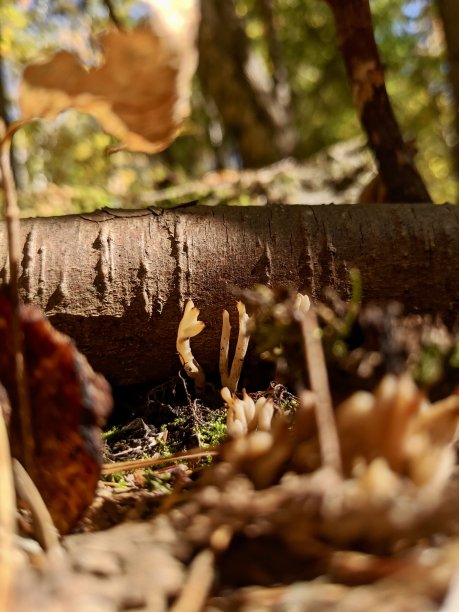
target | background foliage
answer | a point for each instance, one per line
(62, 167)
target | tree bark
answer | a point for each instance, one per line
(449, 13)
(253, 116)
(117, 281)
(357, 42)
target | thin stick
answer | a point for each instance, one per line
(12, 225)
(112, 14)
(45, 530)
(198, 584)
(7, 518)
(318, 378)
(125, 466)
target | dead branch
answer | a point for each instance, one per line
(117, 282)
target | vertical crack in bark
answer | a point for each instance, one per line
(25, 278)
(263, 267)
(309, 265)
(176, 238)
(102, 270)
(58, 299)
(41, 265)
(183, 272)
(143, 287)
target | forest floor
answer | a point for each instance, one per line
(337, 174)
(276, 520)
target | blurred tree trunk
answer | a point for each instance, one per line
(120, 287)
(449, 13)
(254, 116)
(281, 85)
(356, 40)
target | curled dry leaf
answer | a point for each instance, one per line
(141, 92)
(69, 405)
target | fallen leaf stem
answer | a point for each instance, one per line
(318, 378)
(125, 466)
(45, 530)
(11, 212)
(7, 518)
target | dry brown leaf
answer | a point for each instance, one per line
(69, 405)
(141, 92)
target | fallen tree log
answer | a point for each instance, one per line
(117, 281)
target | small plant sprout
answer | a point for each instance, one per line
(245, 415)
(188, 328)
(231, 379)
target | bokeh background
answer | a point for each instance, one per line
(270, 86)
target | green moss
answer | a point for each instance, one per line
(212, 432)
(118, 478)
(160, 483)
(110, 433)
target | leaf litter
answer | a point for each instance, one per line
(272, 523)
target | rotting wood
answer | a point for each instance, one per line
(117, 281)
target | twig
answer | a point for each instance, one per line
(12, 225)
(318, 378)
(45, 530)
(198, 584)
(112, 14)
(7, 517)
(125, 466)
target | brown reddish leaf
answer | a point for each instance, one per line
(69, 404)
(141, 92)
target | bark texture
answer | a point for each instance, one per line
(117, 281)
(254, 114)
(449, 13)
(395, 160)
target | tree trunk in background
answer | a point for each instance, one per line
(280, 77)
(449, 13)
(252, 114)
(357, 42)
(117, 281)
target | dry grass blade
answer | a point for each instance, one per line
(197, 586)
(11, 212)
(7, 517)
(317, 369)
(45, 530)
(124, 466)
